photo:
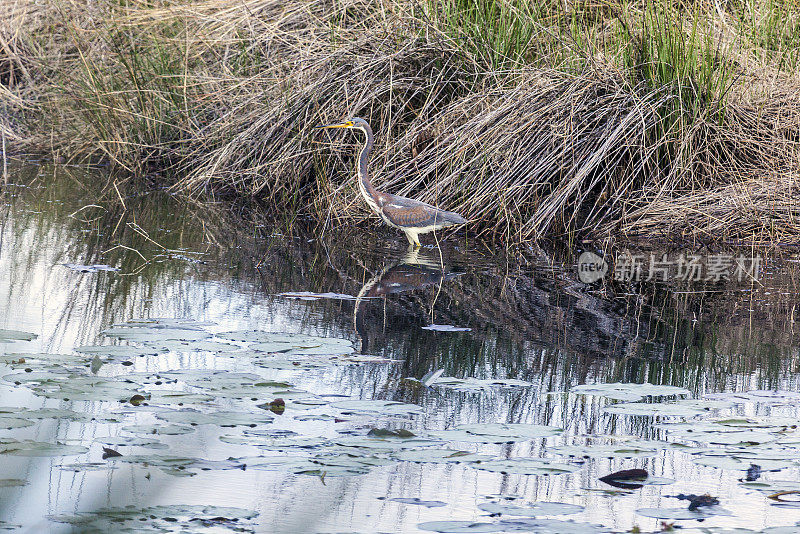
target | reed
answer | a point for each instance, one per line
(535, 118)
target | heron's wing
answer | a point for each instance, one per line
(409, 213)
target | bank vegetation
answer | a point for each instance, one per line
(534, 118)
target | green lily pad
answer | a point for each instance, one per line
(162, 430)
(467, 384)
(131, 442)
(117, 351)
(652, 409)
(9, 336)
(683, 513)
(192, 417)
(38, 448)
(510, 430)
(7, 423)
(603, 451)
(527, 466)
(535, 525)
(531, 510)
(193, 346)
(439, 456)
(628, 392)
(152, 335)
(379, 406)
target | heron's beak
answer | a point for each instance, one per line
(347, 124)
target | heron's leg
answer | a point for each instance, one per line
(413, 238)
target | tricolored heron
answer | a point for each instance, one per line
(411, 216)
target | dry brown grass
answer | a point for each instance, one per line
(695, 135)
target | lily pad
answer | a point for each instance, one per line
(164, 430)
(12, 482)
(9, 336)
(142, 334)
(417, 501)
(379, 406)
(7, 423)
(532, 510)
(603, 451)
(628, 392)
(538, 526)
(510, 430)
(192, 417)
(39, 448)
(527, 466)
(117, 351)
(683, 513)
(439, 456)
(646, 409)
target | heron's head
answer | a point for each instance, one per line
(356, 122)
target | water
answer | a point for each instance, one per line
(530, 319)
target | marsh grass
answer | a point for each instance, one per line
(532, 118)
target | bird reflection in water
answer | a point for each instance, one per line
(415, 270)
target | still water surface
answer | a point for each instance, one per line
(530, 321)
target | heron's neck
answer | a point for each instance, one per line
(364, 184)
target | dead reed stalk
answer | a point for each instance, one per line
(533, 118)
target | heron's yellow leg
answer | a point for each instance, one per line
(413, 238)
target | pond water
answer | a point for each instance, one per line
(175, 366)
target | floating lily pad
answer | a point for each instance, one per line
(131, 442)
(651, 409)
(628, 392)
(465, 437)
(532, 510)
(166, 518)
(277, 443)
(164, 430)
(459, 526)
(538, 526)
(683, 513)
(9, 336)
(117, 351)
(439, 456)
(510, 430)
(192, 417)
(467, 384)
(39, 448)
(527, 466)
(12, 482)
(158, 460)
(193, 346)
(603, 451)
(7, 423)
(379, 406)
(88, 388)
(385, 443)
(142, 334)
(417, 501)
(81, 467)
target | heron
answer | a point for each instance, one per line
(411, 216)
